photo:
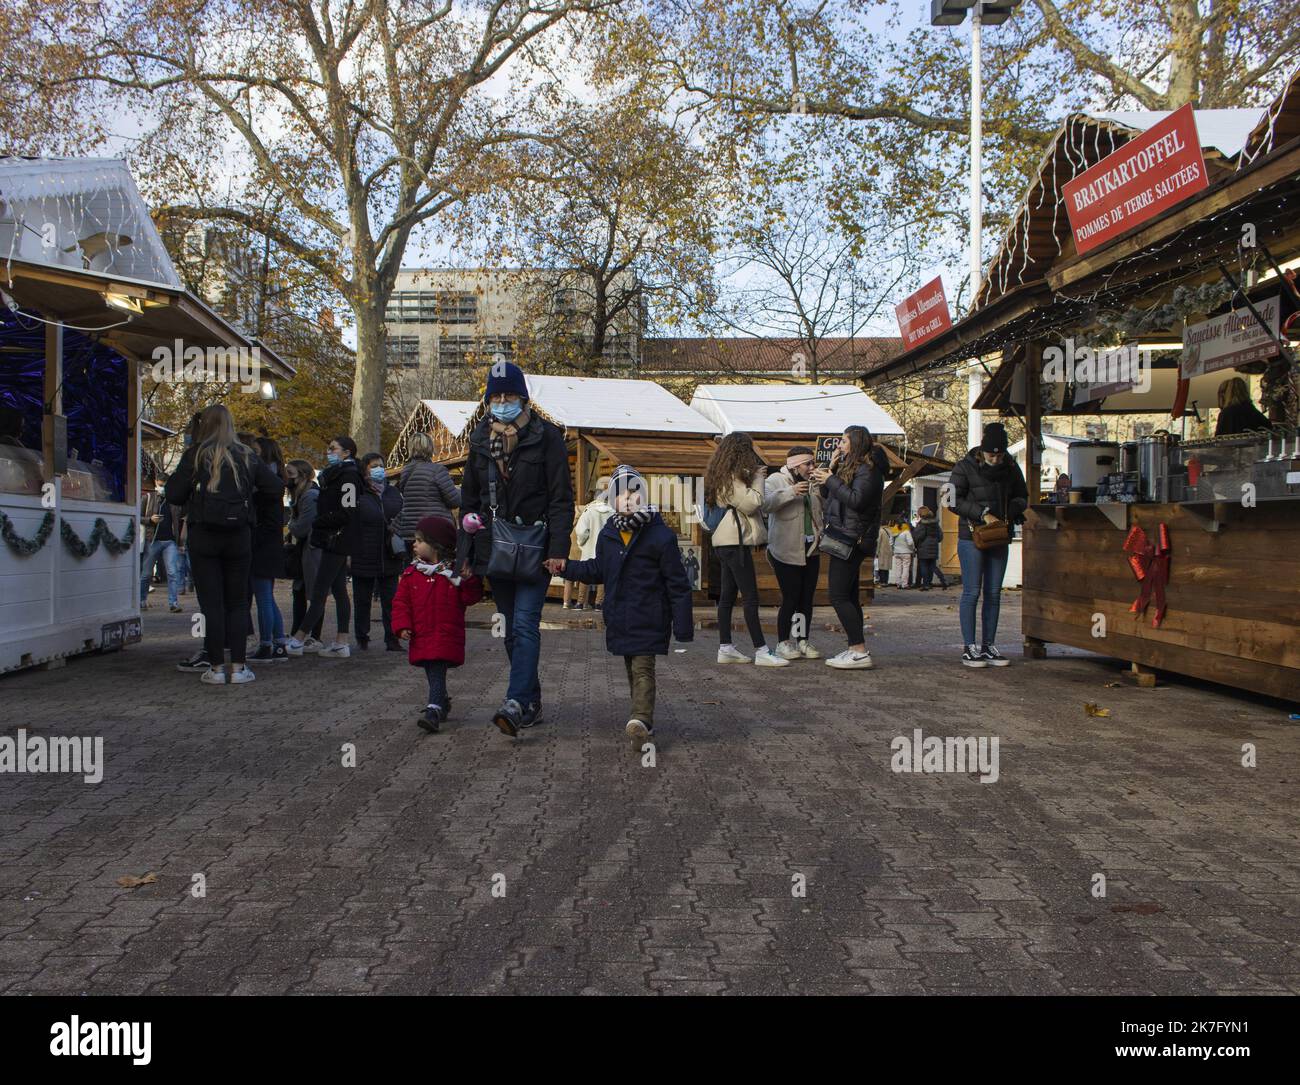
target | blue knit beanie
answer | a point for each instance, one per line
(626, 480)
(512, 380)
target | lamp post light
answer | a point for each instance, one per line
(994, 13)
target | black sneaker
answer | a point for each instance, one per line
(532, 715)
(432, 717)
(993, 657)
(509, 718)
(264, 652)
(973, 657)
(197, 662)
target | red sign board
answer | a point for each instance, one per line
(1143, 179)
(923, 315)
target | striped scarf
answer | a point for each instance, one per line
(502, 439)
(635, 520)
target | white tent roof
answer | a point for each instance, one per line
(1226, 130)
(80, 213)
(615, 403)
(795, 409)
(452, 413)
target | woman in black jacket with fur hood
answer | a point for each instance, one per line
(987, 487)
(851, 490)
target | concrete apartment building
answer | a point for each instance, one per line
(444, 322)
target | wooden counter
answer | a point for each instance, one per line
(1233, 595)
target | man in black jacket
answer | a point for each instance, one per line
(987, 487)
(517, 454)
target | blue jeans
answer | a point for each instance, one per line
(981, 570)
(183, 570)
(270, 622)
(167, 548)
(521, 603)
(436, 671)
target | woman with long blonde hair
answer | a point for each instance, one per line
(734, 482)
(217, 480)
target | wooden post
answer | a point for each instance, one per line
(1033, 369)
(1033, 366)
(580, 494)
(53, 393)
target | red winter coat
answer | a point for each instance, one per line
(433, 609)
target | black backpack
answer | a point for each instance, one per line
(230, 504)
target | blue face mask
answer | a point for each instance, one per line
(331, 457)
(506, 412)
(377, 473)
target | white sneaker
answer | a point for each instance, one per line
(311, 644)
(215, 676)
(729, 653)
(849, 660)
(808, 651)
(788, 650)
(765, 657)
(335, 651)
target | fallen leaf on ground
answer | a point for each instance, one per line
(1095, 710)
(1113, 685)
(129, 881)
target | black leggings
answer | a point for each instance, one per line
(220, 559)
(798, 584)
(300, 611)
(331, 578)
(842, 577)
(364, 589)
(738, 574)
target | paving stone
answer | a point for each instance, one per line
(675, 880)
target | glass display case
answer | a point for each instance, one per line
(21, 470)
(1220, 468)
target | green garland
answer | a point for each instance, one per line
(100, 533)
(21, 546)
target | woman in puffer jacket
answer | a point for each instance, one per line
(987, 486)
(851, 490)
(734, 481)
(426, 488)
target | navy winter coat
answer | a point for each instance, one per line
(647, 595)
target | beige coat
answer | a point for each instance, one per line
(747, 500)
(785, 535)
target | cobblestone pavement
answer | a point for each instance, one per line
(677, 878)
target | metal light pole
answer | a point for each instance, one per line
(953, 13)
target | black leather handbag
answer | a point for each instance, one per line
(838, 544)
(518, 550)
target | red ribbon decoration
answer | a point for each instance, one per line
(1150, 564)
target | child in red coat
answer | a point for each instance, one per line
(429, 612)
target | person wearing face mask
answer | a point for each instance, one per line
(521, 457)
(337, 533)
(987, 487)
(794, 521)
(376, 564)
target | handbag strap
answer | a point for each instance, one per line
(492, 485)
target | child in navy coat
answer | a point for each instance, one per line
(647, 594)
